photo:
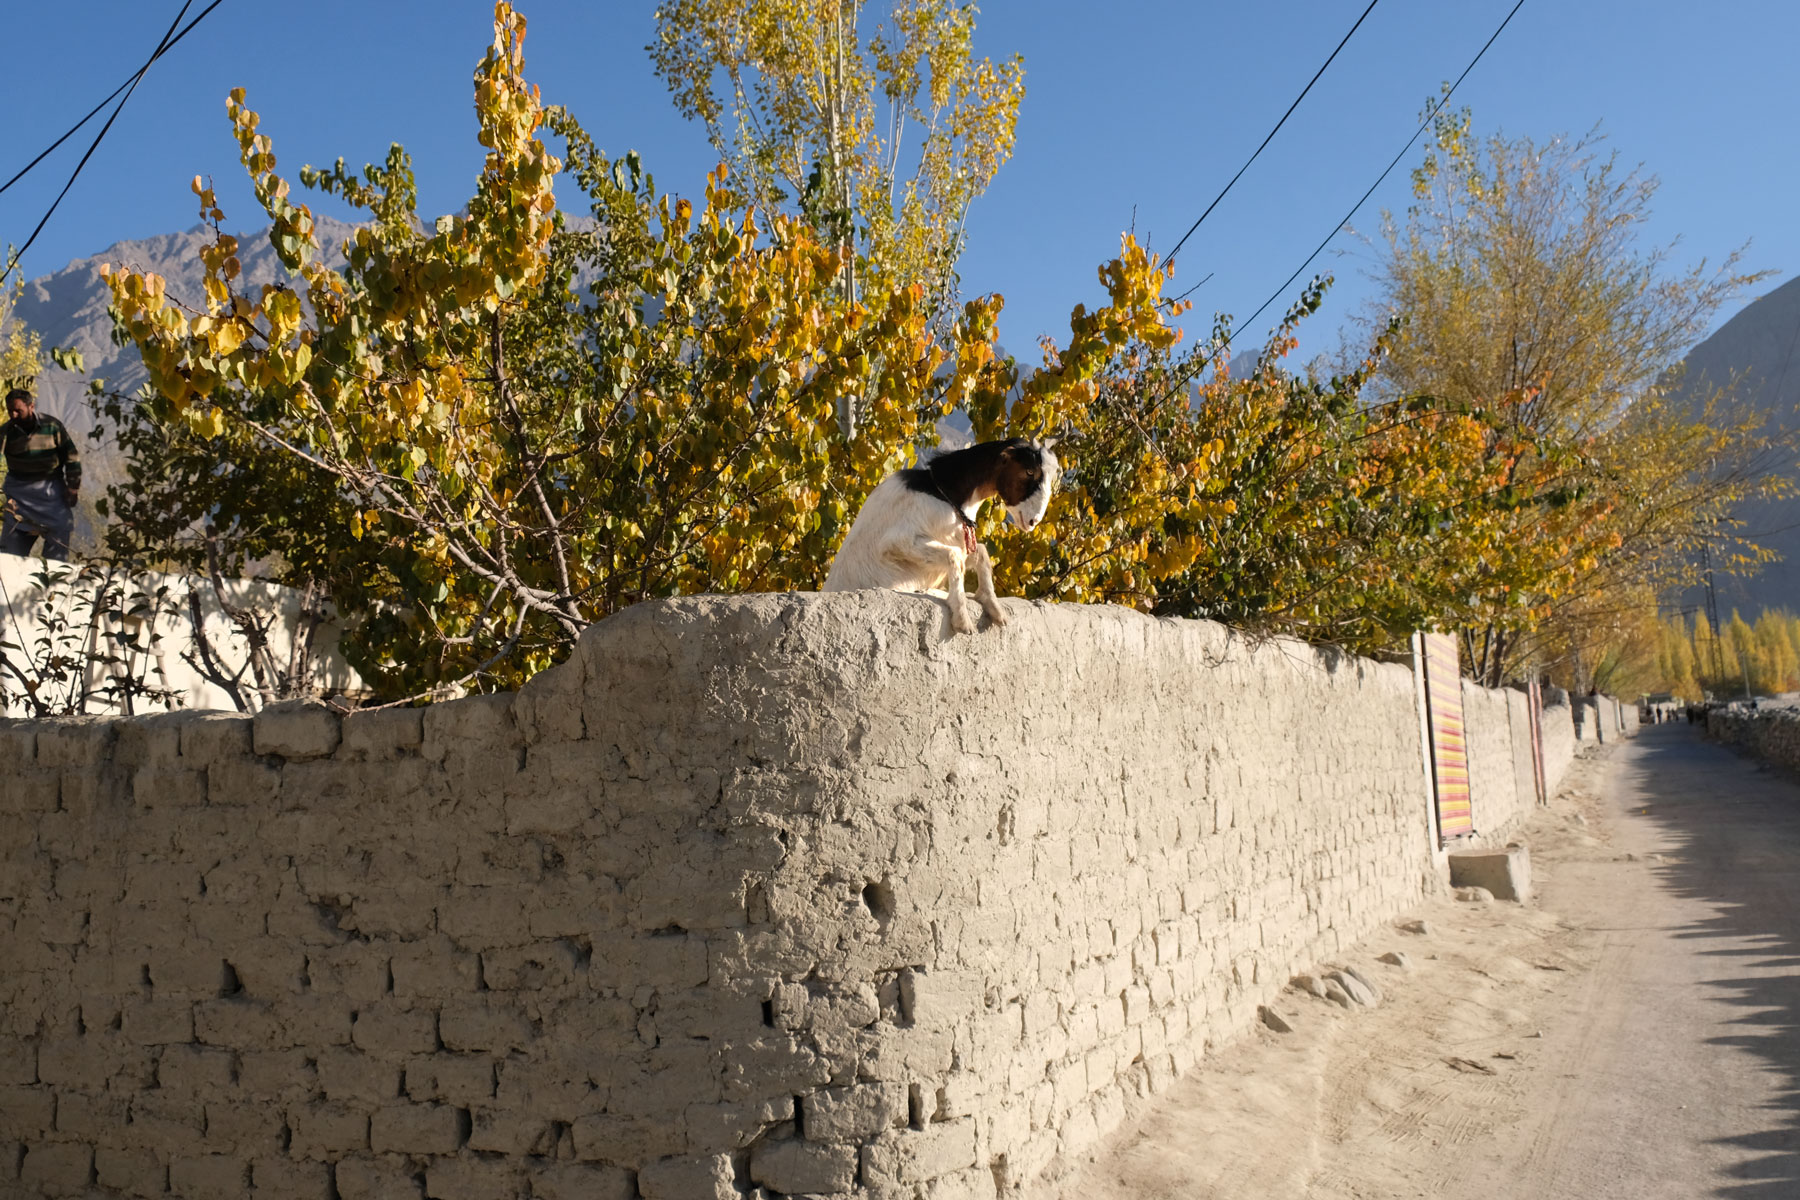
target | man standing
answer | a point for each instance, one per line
(43, 479)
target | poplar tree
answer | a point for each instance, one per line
(1519, 267)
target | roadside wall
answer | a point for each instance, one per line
(1499, 797)
(1560, 742)
(799, 893)
(1771, 734)
(48, 611)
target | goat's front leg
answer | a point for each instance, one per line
(984, 586)
(953, 587)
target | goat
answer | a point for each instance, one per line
(916, 531)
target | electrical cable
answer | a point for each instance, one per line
(162, 48)
(1432, 113)
(1188, 375)
(1272, 132)
(76, 128)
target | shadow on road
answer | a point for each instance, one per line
(1733, 829)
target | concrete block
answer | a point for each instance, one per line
(1505, 873)
(297, 729)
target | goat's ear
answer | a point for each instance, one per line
(1048, 443)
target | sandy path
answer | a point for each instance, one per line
(1636, 1032)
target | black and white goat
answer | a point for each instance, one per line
(916, 531)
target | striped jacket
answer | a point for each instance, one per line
(40, 448)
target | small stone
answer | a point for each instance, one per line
(1273, 1019)
(1368, 982)
(1581, 820)
(1397, 958)
(1475, 895)
(1354, 988)
(1335, 993)
(1418, 927)
(1310, 984)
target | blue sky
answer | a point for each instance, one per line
(1133, 106)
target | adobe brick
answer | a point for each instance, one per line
(208, 1177)
(379, 734)
(434, 969)
(57, 1168)
(501, 1131)
(804, 1167)
(280, 1178)
(388, 1031)
(484, 1023)
(18, 1061)
(386, 1178)
(461, 1079)
(581, 1181)
(351, 1077)
(157, 1021)
(326, 1131)
(236, 1025)
(710, 1177)
(296, 729)
(134, 1172)
(214, 737)
(417, 1129)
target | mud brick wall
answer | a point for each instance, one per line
(1560, 742)
(1487, 732)
(1497, 727)
(764, 896)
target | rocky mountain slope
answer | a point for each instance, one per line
(1759, 348)
(68, 307)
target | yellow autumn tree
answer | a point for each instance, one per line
(489, 431)
(880, 130)
(1518, 267)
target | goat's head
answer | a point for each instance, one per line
(1027, 475)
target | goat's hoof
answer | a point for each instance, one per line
(996, 618)
(960, 623)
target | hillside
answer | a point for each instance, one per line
(68, 307)
(1760, 348)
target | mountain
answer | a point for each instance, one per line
(1760, 349)
(68, 308)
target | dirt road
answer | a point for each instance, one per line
(1633, 1033)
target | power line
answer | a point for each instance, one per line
(1187, 376)
(1429, 115)
(76, 128)
(161, 48)
(1272, 132)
